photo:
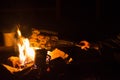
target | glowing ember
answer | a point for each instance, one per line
(57, 53)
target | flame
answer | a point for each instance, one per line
(26, 52)
(21, 54)
(19, 33)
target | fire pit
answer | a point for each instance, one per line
(33, 54)
(41, 55)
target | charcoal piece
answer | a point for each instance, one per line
(40, 59)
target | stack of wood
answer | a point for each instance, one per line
(40, 40)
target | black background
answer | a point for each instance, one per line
(73, 20)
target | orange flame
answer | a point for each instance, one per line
(26, 53)
(19, 33)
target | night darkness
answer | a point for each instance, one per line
(76, 20)
(96, 21)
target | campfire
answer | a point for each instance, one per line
(38, 50)
(27, 48)
(26, 57)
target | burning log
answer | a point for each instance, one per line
(11, 69)
(15, 61)
(16, 66)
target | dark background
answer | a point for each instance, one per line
(73, 20)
